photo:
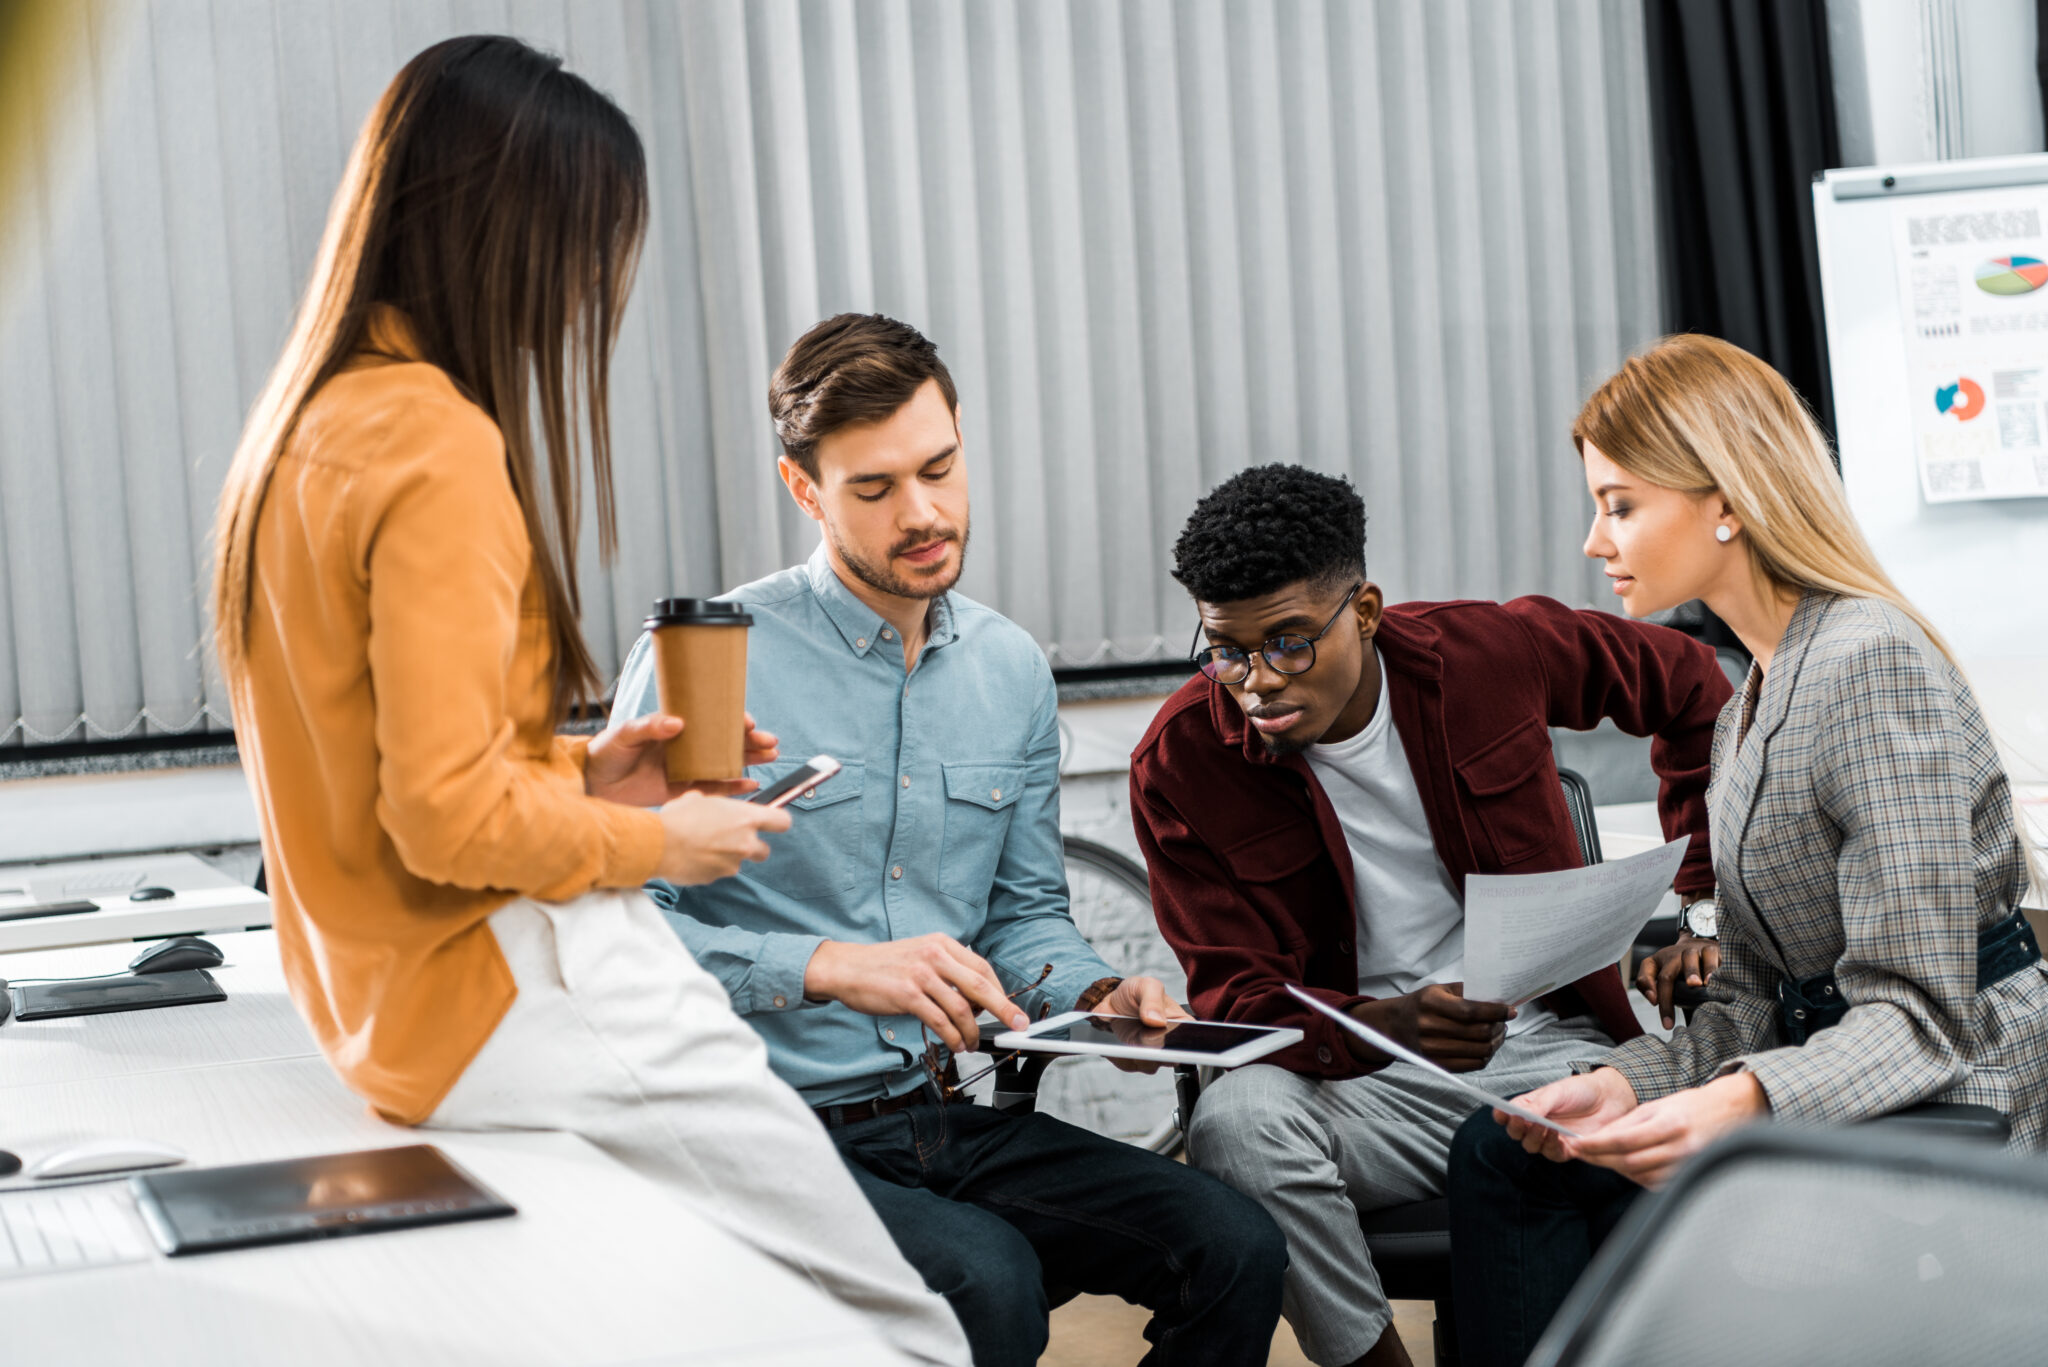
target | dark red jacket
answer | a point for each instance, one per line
(1251, 876)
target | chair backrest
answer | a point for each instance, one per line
(1788, 1247)
(1735, 664)
(1578, 800)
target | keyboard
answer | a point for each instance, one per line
(63, 1228)
(70, 887)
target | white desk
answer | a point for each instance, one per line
(256, 1022)
(206, 900)
(600, 1266)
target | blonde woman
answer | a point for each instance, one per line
(1868, 861)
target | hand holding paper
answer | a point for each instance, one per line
(1406, 1055)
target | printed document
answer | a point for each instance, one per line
(1531, 933)
(1407, 1055)
(1976, 336)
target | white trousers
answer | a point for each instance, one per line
(620, 1037)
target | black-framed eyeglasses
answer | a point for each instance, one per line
(1287, 654)
(936, 1063)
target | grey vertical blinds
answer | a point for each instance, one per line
(1157, 240)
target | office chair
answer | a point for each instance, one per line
(1783, 1248)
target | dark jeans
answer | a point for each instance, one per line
(991, 1208)
(1523, 1229)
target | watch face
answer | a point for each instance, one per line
(1701, 918)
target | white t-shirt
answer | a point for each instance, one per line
(1411, 917)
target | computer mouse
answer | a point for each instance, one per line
(150, 894)
(10, 1163)
(180, 951)
(105, 1155)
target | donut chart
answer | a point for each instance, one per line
(2012, 275)
(1962, 400)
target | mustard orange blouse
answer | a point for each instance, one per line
(394, 722)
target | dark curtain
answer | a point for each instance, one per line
(2041, 52)
(1743, 105)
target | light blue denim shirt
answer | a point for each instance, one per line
(945, 818)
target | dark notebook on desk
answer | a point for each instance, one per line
(199, 1210)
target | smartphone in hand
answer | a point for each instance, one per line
(790, 787)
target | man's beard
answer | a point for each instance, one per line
(1289, 742)
(1279, 747)
(884, 579)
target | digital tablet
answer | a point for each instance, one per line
(198, 1210)
(1215, 1044)
(128, 992)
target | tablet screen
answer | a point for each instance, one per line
(1193, 1037)
(197, 1209)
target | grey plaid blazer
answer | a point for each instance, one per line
(1862, 825)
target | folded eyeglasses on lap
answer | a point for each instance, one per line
(1288, 654)
(936, 1062)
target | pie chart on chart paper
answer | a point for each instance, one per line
(2012, 275)
(1962, 400)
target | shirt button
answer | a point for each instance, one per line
(896, 872)
(861, 643)
(1343, 946)
(888, 1034)
(995, 794)
(781, 1002)
(888, 635)
(1323, 1054)
(906, 780)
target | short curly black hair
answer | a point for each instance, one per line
(1267, 527)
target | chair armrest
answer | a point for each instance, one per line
(1187, 1090)
(1017, 1083)
(1949, 1120)
(1686, 997)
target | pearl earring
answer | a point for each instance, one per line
(1723, 535)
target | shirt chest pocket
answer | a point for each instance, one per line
(979, 801)
(1292, 882)
(819, 855)
(1512, 787)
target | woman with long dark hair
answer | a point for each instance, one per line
(455, 886)
(1868, 856)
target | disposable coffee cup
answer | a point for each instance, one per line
(700, 666)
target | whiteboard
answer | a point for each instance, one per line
(1978, 567)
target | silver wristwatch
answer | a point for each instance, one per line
(1701, 919)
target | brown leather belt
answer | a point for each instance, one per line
(853, 1112)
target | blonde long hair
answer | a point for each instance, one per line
(499, 202)
(1703, 416)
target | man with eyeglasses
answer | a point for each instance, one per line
(1310, 804)
(924, 884)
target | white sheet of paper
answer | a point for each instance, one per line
(1407, 1055)
(1531, 933)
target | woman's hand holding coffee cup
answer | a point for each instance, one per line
(626, 764)
(708, 838)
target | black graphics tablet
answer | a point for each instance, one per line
(132, 992)
(201, 1210)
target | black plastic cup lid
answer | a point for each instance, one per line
(697, 612)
